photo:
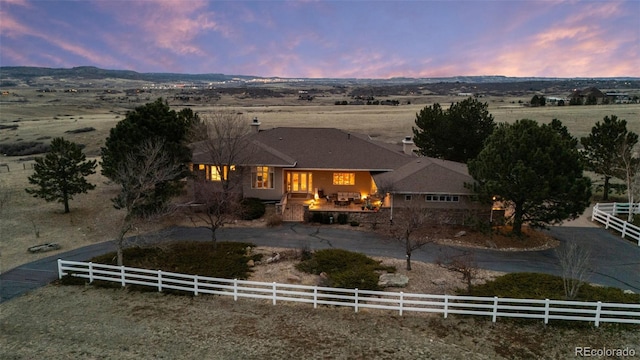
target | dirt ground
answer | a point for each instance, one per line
(62, 322)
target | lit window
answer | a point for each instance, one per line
(214, 175)
(213, 172)
(262, 177)
(344, 178)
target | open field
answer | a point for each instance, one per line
(51, 114)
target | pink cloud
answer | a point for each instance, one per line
(579, 45)
(169, 24)
(11, 27)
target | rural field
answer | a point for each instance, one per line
(71, 322)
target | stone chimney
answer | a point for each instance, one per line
(408, 146)
(255, 125)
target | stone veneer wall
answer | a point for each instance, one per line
(454, 216)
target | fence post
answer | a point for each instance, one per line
(495, 308)
(90, 272)
(606, 223)
(122, 276)
(315, 297)
(356, 300)
(195, 285)
(624, 229)
(235, 289)
(597, 318)
(615, 209)
(401, 301)
(446, 305)
(546, 311)
(159, 280)
(274, 293)
(60, 274)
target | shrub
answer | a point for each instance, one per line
(252, 208)
(345, 269)
(228, 260)
(343, 218)
(544, 286)
(322, 217)
(80, 130)
(355, 278)
(274, 220)
(24, 148)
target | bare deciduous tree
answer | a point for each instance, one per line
(414, 227)
(630, 171)
(224, 147)
(139, 176)
(574, 261)
(464, 263)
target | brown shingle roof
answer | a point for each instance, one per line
(329, 148)
(427, 175)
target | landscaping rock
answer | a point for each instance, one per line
(438, 282)
(251, 263)
(460, 234)
(274, 258)
(393, 280)
(44, 247)
(293, 278)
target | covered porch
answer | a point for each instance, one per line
(293, 207)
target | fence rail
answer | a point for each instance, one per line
(596, 312)
(607, 214)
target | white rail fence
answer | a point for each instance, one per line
(607, 214)
(596, 312)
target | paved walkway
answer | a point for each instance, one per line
(615, 262)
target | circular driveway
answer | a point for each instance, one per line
(614, 261)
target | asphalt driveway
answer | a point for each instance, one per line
(615, 262)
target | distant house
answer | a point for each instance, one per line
(304, 170)
(583, 96)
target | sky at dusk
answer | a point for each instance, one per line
(335, 39)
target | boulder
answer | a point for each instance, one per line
(44, 248)
(293, 278)
(439, 282)
(460, 234)
(393, 280)
(274, 258)
(251, 263)
(628, 291)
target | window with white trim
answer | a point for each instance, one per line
(441, 198)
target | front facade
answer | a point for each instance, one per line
(326, 168)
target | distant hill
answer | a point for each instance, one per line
(40, 76)
(94, 73)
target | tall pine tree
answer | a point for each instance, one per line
(61, 173)
(536, 169)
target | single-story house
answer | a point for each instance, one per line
(327, 169)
